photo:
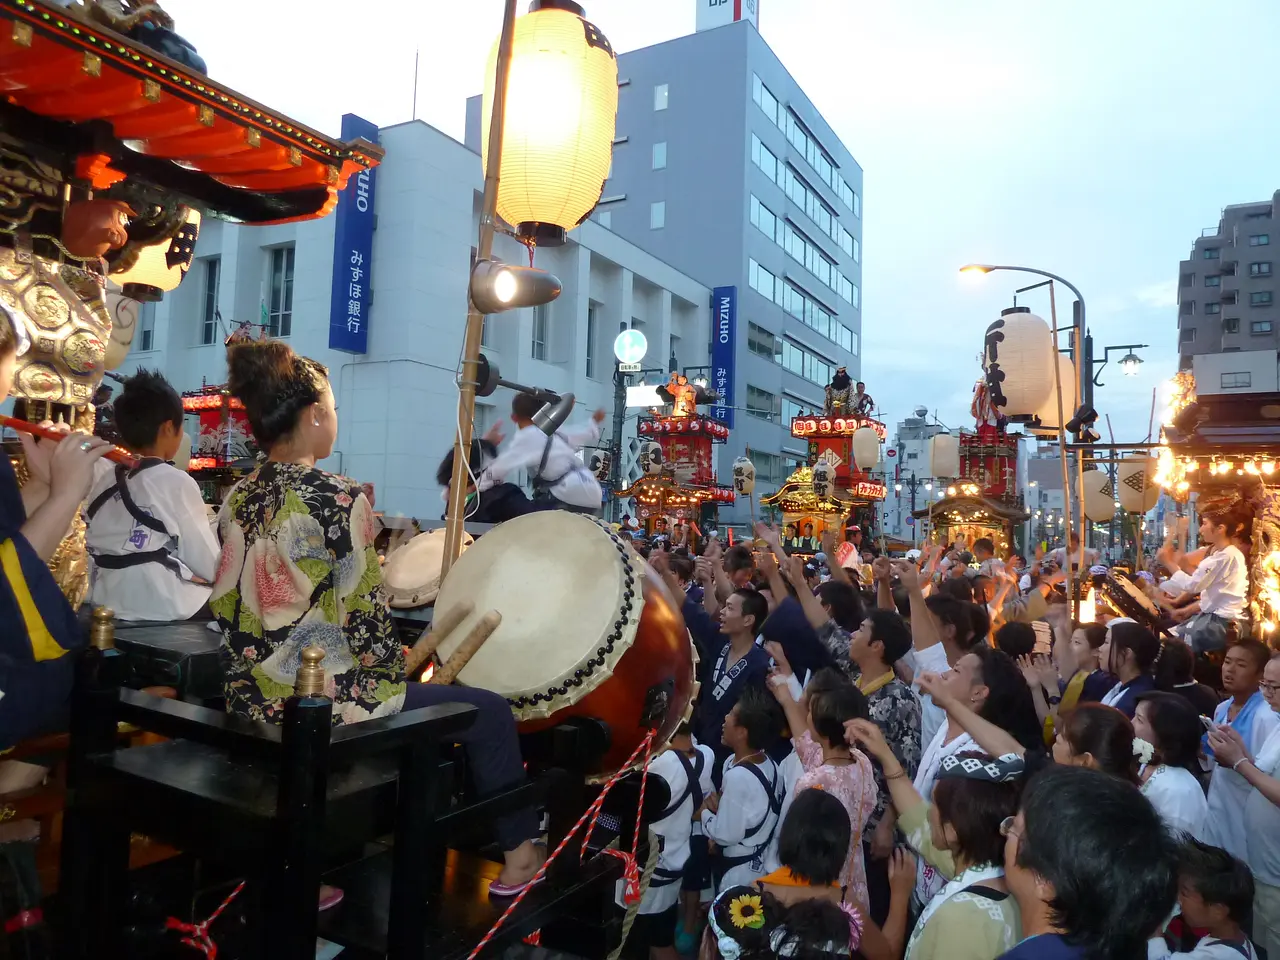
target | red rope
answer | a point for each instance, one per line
(198, 933)
(592, 813)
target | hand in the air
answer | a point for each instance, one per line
(598, 416)
(774, 649)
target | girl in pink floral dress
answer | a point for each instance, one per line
(829, 762)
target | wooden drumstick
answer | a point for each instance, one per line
(479, 634)
(435, 635)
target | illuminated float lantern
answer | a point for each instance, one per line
(866, 448)
(823, 479)
(651, 458)
(158, 254)
(944, 455)
(744, 477)
(561, 110)
(1018, 356)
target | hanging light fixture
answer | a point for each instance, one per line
(146, 272)
(561, 111)
(1131, 364)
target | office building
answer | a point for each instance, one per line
(397, 401)
(907, 473)
(1227, 288)
(724, 168)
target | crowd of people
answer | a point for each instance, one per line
(927, 758)
(942, 765)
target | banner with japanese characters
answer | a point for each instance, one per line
(353, 251)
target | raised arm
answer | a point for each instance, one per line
(882, 573)
(829, 545)
(994, 740)
(925, 632)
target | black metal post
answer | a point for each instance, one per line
(619, 415)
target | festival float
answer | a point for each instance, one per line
(114, 145)
(836, 483)
(1224, 448)
(677, 458)
(222, 449)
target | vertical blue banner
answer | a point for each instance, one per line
(724, 343)
(353, 251)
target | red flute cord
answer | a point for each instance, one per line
(116, 454)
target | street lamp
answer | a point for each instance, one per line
(1130, 363)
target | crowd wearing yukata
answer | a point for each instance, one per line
(934, 761)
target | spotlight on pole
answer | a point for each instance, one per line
(498, 286)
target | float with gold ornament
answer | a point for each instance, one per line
(114, 145)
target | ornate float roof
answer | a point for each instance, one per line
(664, 490)
(796, 495)
(964, 508)
(121, 110)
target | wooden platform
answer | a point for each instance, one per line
(467, 911)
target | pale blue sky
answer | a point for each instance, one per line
(1094, 139)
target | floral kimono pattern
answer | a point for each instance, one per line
(299, 569)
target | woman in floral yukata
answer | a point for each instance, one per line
(299, 569)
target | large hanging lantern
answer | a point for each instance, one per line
(823, 478)
(146, 271)
(651, 458)
(1098, 495)
(744, 477)
(944, 455)
(1018, 355)
(1048, 412)
(1136, 486)
(866, 448)
(561, 110)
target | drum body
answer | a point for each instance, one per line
(1128, 597)
(411, 575)
(588, 629)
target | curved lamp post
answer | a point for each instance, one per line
(1084, 380)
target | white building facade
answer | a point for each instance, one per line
(397, 402)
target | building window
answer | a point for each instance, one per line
(765, 100)
(592, 331)
(1212, 308)
(792, 409)
(1260, 240)
(1188, 335)
(209, 318)
(660, 97)
(763, 404)
(1236, 381)
(147, 327)
(1231, 325)
(657, 215)
(805, 364)
(1261, 298)
(1188, 279)
(763, 343)
(540, 318)
(802, 250)
(1261, 269)
(660, 155)
(801, 306)
(605, 219)
(1211, 253)
(1213, 281)
(769, 467)
(280, 316)
(1187, 308)
(763, 158)
(1260, 327)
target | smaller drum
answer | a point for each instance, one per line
(1128, 597)
(411, 575)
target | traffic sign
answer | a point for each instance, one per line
(628, 367)
(891, 453)
(911, 521)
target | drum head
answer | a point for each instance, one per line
(1130, 599)
(570, 594)
(412, 573)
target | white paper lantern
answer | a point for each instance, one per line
(1018, 356)
(1098, 495)
(1048, 413)
(823, 478)
(651, 458)
(1136, 488)
(562, 107)
(866, 448)
(744, 477)
(182, 459)
(160, 267)
(944, 455)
